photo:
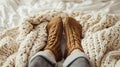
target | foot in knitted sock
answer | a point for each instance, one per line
(54, 30)
(73, 32)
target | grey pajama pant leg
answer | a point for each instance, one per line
(40, 61)
(80, 62)
(44, 59)
(77, 59)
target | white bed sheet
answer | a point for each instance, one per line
(12, 12)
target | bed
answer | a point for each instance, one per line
(99, 18)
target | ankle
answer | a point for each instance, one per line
(51, 53)
(76, 50)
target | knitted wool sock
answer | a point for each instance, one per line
(54, 29)
(73, 32)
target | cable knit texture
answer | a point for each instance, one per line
(54, 30)
(73, 32)
(100, 32)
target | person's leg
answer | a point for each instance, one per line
(80, 62)
(52, 51)
(77, 59)
(74, 51)
(43, 59)
(40, 61)
(55, 29)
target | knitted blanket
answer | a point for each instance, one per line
(101, 38)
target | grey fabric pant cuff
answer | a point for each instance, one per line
(74, 55)
(46, 55)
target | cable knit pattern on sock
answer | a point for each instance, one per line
(73, 32)
(54, 30)
(100, 32)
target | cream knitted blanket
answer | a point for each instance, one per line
(101, 38)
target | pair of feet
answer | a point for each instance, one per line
(73, 32)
